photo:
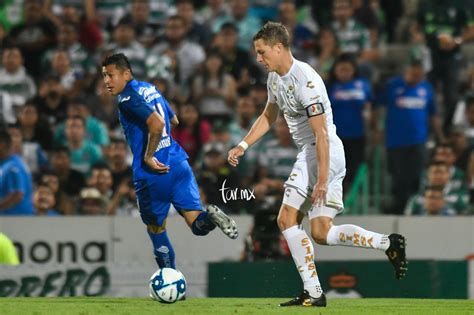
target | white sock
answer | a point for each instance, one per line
(302, 252)
(355, 236)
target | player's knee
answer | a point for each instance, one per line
(319, 237)
(286, 219)
(319, 230)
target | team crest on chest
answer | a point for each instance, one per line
(290, 93)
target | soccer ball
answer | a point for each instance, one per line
(167, 285)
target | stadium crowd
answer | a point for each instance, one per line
(58, 119)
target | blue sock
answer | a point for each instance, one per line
(202, 225)
(163, 250)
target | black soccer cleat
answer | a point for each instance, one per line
(306, 300)
(396, 254)
(223, 221)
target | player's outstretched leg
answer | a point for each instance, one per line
(396, 254)
(352, 235)
(223, 221)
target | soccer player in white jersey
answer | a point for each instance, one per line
(314, 187)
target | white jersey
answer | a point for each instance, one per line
(301, 94)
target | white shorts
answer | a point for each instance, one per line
(300, 183)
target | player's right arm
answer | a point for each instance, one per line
(258, 130)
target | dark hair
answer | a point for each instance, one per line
(469, 100)
(349, 58)
(5, 137)
(178, 2)
(78, 118)
(119, 60)
(229, 26)
(60, 149)
(272, 33)
(116, 140)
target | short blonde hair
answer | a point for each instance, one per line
(273, 33)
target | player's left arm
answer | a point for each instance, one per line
(155, 124)
(319, 127)
(311, 96)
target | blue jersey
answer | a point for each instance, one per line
(15, 177)
(408, 112)
(347, 103)
(137, 102)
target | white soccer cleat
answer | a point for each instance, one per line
(223, 221)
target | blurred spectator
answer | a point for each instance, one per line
(7, 111)
(124, 200)
(214, 173)
(31, 152)
(459, 117)
(326, 52)
(63, 202)
(84, 153)
(44, 201)
(258, 94)
(96, 132)
(91, 202)
(101, 178)
(364, 13)
(237, 61)
(410, 112)
(275, 161)
(444, 25)
(80, 60)
(212, 11)
(238, 128)
(214, 90)
(352, 37)
(121, 170)
(71, 80)
(455, 192)
(431, 202)
(195, 31)
(33, 129)
(13, 78)
(246, 24)
(392, 12)
(15, 181)
(124, 41)
(34, 36)
(103, 106)
(444, 153)
(351, 103)
(188, 55)
(70, 180)
(301, 38)
(145, 29)
(193, 132)
(51, 101)
(468, 125)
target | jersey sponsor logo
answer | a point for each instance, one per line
(315, 109)
(127, 98)
(310, 85)
(345, 95)
(410, 102)
(149, 93)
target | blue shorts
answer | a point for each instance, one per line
(156, 193)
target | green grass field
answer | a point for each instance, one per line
(214, 306)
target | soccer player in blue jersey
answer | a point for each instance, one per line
(161, 173)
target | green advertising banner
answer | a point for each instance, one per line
(425, 279)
